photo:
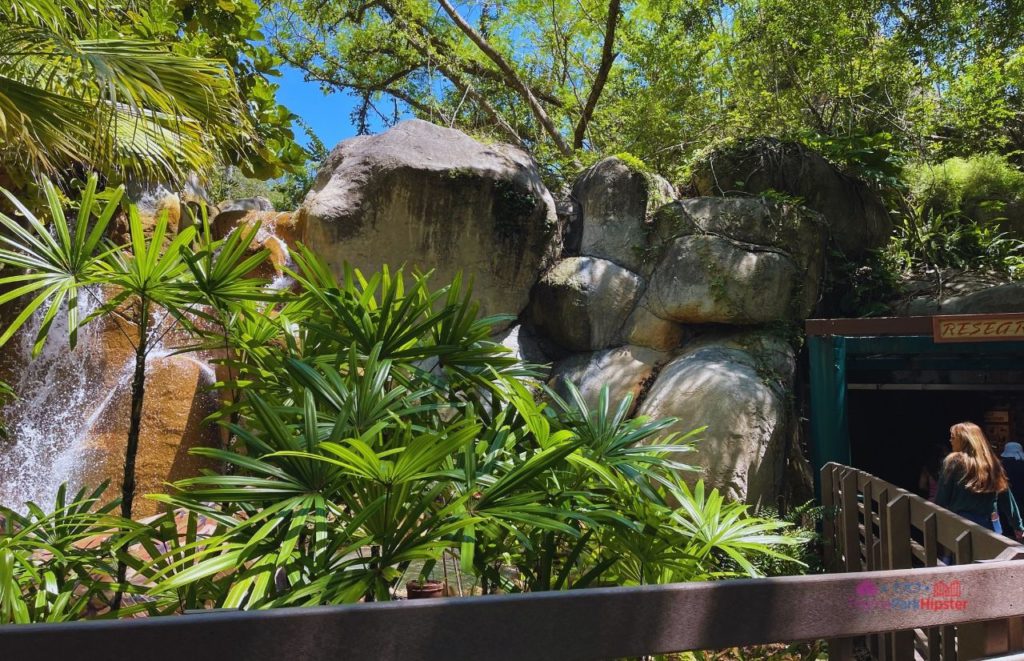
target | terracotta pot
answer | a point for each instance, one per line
(425, 589)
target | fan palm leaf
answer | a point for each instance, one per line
(52, 269)
(73, 90)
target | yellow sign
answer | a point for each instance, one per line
(978, 327)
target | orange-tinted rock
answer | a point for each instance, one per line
(282, 224)
(277, 232)
(177, 401)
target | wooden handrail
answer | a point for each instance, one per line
(870, 524)
(600, 623)
(948, 612)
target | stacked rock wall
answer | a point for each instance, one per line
(693, 306)
(688, 306)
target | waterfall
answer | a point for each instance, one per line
(67, 401)
(59, 396)
(62, 396)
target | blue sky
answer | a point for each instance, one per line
(330, 116)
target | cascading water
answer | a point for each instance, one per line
(64, 399)
(60, 395)
(69, 422)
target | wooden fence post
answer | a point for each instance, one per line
(851, 528)
(841, 649)
(900, 556)
(829, 487)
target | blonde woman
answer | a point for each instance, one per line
(973, 483)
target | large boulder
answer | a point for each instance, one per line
(743, 450)
(624, 370)
(705, 279)
(856, 215)
(616, 202)
(646, 329)
(431, 197)
(794, 231)
(770, 351)
(581, 303)
(800, 232)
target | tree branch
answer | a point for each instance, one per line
(467, 89)
(511, 77)
(608, 56)
(456, 79)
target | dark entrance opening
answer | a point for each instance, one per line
(893, 431)
(883, 391)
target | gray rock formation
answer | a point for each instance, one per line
(857, 218)
(709, 279)
(742, 450)
(798, 231)
(581, 303)
(646, 329)
(615, 205)
(713, 273)
(625, 370)
(753, 226)
(961, 293)
(434, 198)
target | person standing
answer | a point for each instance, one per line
(973, 483)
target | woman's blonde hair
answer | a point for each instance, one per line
(983, 472)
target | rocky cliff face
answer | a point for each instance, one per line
(689, 305)
(685, 304)
(857, 218)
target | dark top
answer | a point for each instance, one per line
(1015, 472)
(954, 496)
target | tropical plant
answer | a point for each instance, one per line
(972, 186)
(48, 573)
(102, 86)
(379, 429)
(931, 239)
(156, 284)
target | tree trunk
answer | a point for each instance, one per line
(135, 426)
(134, 430)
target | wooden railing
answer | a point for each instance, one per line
(881, 541)
(872, 525)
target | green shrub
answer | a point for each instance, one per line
(380, 428)
(377, 429)
(929, 239)
(965, 185)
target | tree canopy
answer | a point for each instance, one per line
(140, 89)
(662, 78)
